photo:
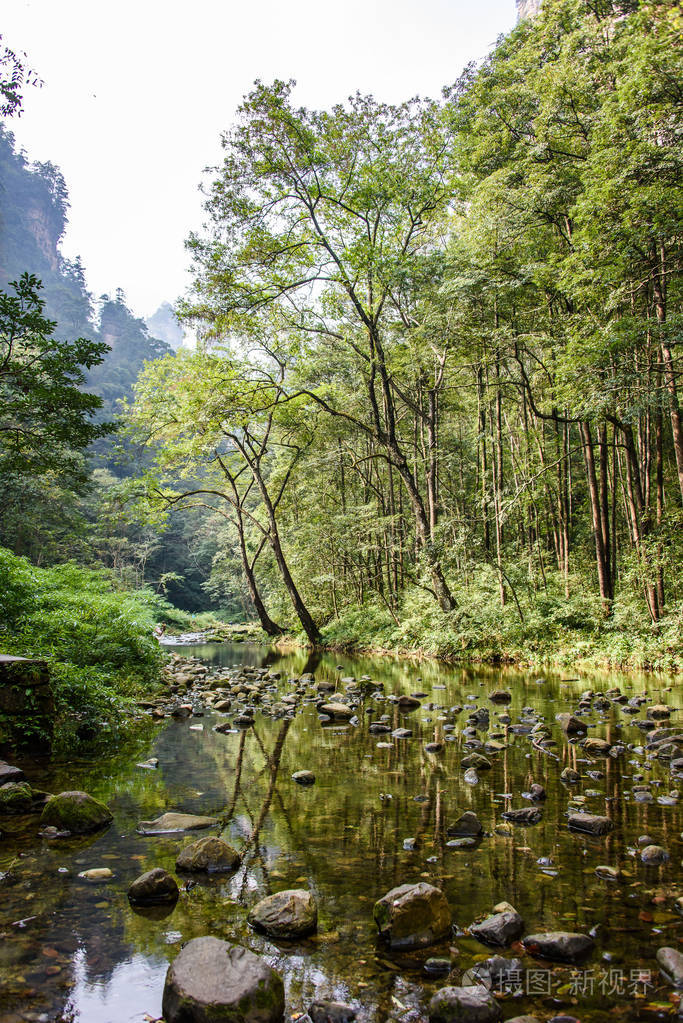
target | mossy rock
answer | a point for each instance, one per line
(16, 797)
(75, 812)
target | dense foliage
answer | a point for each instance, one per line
(97, 639)
(436, 396)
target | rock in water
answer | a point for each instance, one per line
(597, 747)
(558, 945)
(212, 981)
(303, 777)
(75, 812)
(15, 797)
(590, 823)
(464, 1005)
(671, 964)
(289, 914)
(527, 815)
(412, 916)
(468, 825)
(208, 855)
(172, 823)
(337, 710)
(499, 929)
(569, 776)
(477, 761)
(9, 773)
(571, 724)
(153, 887)
(654, 855)
(331, 1012)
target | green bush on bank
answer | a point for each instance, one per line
(98, 640)
(534, 627)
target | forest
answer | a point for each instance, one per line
(434, 402)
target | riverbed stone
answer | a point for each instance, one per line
(412, 916)
(153, 887)
(338, 711)
(473, 1004)
(10, 773)
(498, 973)
(16, 797)
(173, 823)
(96, 874)
(208, 855)
(525, 815)
(596, 747)
(654, 855)
(289, 914)
(670, 962)
(213, 981)
(304, 777)
(499, 929)
(659, 712)
(467, 825)
(331, 1012)
(571, 724)
(564, 946)
(477, 761)
(590, 823)
(75, 812)
(569, 776)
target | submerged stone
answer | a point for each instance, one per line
(654, 855)
(331, 1012)
(212, 981)
(473, 1004)
(171, 823)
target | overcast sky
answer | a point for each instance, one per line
(136, 94)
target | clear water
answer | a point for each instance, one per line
(72, 950)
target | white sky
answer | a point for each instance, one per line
(136, 94)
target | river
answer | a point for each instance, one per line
(77, 951)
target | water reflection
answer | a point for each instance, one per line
(79, 951)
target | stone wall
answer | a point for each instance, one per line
(27, 706)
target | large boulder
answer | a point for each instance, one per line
(289, 914)
(174, 823)
(75, 812)
(563, 946)
(473, 1004)
(208, 855)
(212, 981)
(413, 916)
(152, 888)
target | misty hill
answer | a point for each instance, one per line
(34, 204)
